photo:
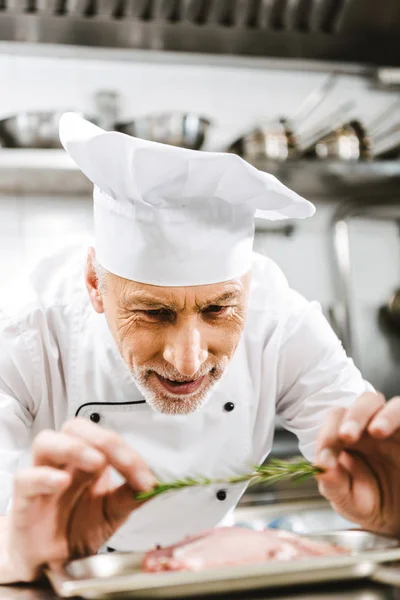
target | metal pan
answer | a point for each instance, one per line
(111, 575)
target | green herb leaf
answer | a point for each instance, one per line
(272, 472)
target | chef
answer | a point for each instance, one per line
(169, 357)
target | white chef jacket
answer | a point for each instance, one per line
(58, 360)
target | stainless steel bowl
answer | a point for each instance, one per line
(186, 130)
(273, 141)
(31, 130)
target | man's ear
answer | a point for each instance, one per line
(92, 284)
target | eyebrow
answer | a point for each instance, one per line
(220, 298)
(146, 299)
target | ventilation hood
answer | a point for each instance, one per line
(348, 31)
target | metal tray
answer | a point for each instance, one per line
(116, 574)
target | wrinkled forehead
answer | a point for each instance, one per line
(135, 293)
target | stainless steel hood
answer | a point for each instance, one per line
(346, 31)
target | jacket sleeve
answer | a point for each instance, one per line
(314, 374)
(19, 394)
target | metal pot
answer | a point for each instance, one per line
(273, 142)
(31, 130)
(348, 142)
(276, 140)
(186, 130)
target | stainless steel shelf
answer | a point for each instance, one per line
(41, 172)
(51, 172)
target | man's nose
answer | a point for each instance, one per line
(184, 350)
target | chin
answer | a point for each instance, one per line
(176, 407)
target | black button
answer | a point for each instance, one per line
(221, 495)
(95, 417)
(229, 406)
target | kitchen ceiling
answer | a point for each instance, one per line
(349, 31)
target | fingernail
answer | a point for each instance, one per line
(327, 459)
(321, 489)
(146, 480)
(350, 429)
(90, 457)
(381, 425)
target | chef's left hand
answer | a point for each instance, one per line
(359, 448)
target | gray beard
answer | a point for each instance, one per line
(174, 405)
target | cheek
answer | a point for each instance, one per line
(139, 344)
(224, 338)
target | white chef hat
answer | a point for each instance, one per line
(170, 216)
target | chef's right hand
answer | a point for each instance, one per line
(66, 505)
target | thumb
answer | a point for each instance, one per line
(119, 503)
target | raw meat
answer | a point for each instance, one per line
(231, 546)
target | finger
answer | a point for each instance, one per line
(328, 444)
(365, 487)
(335, 484)
(351, 489)
(38, 481)
(386, 421)
(119, 453)
(58, 449)
(359, 415)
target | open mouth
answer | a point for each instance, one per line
(180, 387)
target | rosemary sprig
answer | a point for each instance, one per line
(275, 470)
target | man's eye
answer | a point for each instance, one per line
(215, 309)
(157, 312)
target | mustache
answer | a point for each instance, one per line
(172, 374)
